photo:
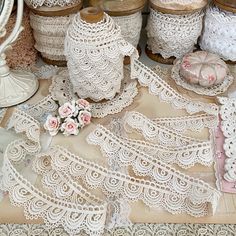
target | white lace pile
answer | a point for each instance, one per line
(49, 34)
(130, 26)
(173, 35)
(219, 33)
(51, 3)
(95, 54)
(209, 91)
(158, 87)
(228, 126)
(174, 192)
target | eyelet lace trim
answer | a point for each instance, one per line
(158, 87)
(228, 126)
(153, 194)
(155, 132)
(126, 151)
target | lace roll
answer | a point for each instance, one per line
(130, 26)
(173, 35)
(51, 3)
(49, 34)
(95, 54)
(219, 34)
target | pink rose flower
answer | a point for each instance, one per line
(83, 104)
(84, 118)
(70, 127)
(52, 124)
(66, 110)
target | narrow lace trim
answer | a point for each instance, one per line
(126, 151)
(158, 87)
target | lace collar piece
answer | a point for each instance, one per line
(158, 87)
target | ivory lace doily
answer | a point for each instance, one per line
(228, 126)
(209, 91)
(173, 35)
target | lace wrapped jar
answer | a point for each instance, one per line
(219, 34)
(23, 53)
(95, 54)
(172, 35)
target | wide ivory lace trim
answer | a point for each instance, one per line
(228, 126)
(55, 212)
(193, 199)
(51, 3)
(130, 26)
(125, 151)
(219, 33)
(158, 87)
(61, 90)
(100, 50)
(173, 35)
(209, 91)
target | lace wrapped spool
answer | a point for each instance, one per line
(219, 34)
(49, 34)
(172, 35)
(127, 15)
(95, 54)
(23, 53)
(227, 5)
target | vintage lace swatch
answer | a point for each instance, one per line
(228, 126)
(173, 35)
(95, 54)
(209, 91)
(219, 33)
(51, 3)
(130, 26)
(158, 87)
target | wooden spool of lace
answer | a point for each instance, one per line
(175, 9)
(47, 14)
(227, 5)
(128, 12)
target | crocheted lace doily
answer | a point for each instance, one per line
(130, 26)
(158, 87)
(100, 49)
(51, 3)
(209, 91)
(219, 33)
(228, 126)
(173, 35)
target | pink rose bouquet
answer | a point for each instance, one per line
(72, 116)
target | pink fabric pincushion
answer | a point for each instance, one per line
(203, 68)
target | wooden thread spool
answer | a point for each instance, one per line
(227, 5)
(91, 14)
(118, 9)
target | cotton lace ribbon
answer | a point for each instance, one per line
(95, 54)
(194, 199)
(173, 35)
(158, 87)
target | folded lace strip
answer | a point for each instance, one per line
(196, 202)
(158, 87)
(73, 217)
(126, 151)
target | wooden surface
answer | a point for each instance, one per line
(118, 7)
(91, 14)
(57, 11)
(228, 5)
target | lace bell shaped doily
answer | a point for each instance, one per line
(228, 127)
(209, 91)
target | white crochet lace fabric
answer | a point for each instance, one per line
(51, 3)
(219, 34)
(158, 87)
(49, 34)
(171, 192)
(228, 126)
(130, 26)
(209, 91)
(173, 35)
(61, 90)
(95, 54)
